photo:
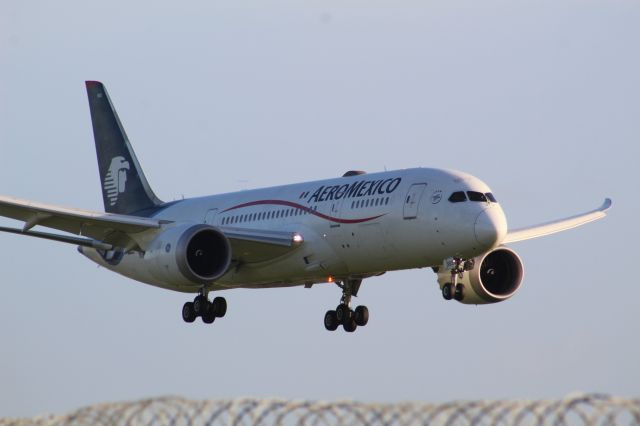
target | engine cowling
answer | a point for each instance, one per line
(495, 277)
(189, 255)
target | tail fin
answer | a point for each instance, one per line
(125, 189)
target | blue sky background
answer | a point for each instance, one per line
(540, 99)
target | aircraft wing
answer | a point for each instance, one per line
(101, 228)
(549, 228)
(107, 231)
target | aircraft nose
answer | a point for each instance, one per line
(491, 227)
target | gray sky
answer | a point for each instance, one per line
(540, 99)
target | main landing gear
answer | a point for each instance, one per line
(201, 307)
(350, 319)
(455, 290)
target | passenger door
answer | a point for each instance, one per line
(412, 200)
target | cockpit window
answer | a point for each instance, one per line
(476, 196)
(491, 197)
(458, 197)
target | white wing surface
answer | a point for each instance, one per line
(549, 228)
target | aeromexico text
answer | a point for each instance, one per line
(363, 188)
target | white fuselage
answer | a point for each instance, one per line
(353, 227)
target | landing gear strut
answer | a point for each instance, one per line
(201, 307)
(343, 314)
(455, 290)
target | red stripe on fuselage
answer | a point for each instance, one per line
(301, 207)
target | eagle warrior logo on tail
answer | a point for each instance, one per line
(116, 178)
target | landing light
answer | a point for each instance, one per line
(297, 238)
(330, 279)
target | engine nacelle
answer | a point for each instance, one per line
(189, 255)
(495, 277)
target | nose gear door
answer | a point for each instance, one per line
(412, 200)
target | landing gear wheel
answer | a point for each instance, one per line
(209, 316)
(361, 315)
(350, 325)
(188, 313)
(343, 313)
(331, 321)
(459, 293)
(200, 305)
(447, 291)
(219, 306)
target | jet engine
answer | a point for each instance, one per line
(490, 278)
(189, 254)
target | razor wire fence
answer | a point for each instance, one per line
(588, 409)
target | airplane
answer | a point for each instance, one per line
(340, 230)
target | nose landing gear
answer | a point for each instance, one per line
(343, 314)
(202, 307)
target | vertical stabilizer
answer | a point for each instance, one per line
(125, 189)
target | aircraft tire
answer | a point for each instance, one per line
(459, 293)
(331, 321)
(350, 325)
(188, 313)
(219, 306)
(343, 313)
(200, 305)
(361, 315)
(447, 291)
(209, 315)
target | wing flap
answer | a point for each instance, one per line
(78, 241)
(552, 227)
